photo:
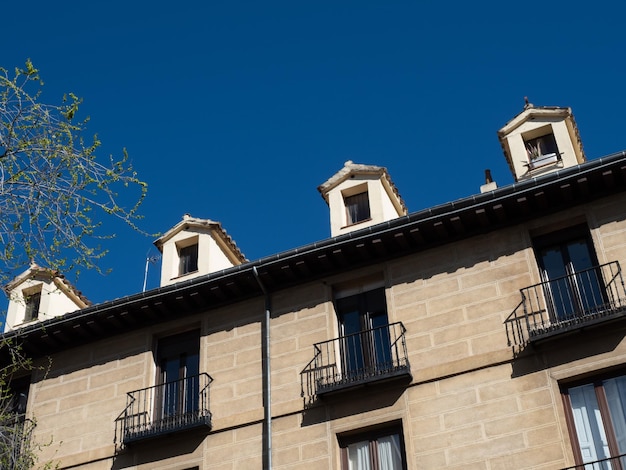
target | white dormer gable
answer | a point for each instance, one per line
(194, 247)
(540, 140)
(359, 196)
(39, 294)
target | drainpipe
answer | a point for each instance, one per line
(267, 395)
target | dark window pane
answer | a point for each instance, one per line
(188, 259)
(179, 364)
(357, 208)
(381, 343)
(365, 339)
(573, 284)
(17, 391)
(352, 344)
(32, 306)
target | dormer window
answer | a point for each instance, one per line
(357, 208)
(360, 195)
(541, 148)
(543, 138)
(357, 203)
(32, 299)
(195, 247)
(188, 259)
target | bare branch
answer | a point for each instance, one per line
(53, 185)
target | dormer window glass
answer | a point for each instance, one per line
(541, 146)
(357, 208)
(32, 301)
(188, 259)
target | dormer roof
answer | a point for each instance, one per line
(351, 169)
(216, 229)
(35, 271)
(531, 112)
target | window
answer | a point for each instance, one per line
(597, 421)
(18, 396)
(365, 344)
(541, 146)
(32, 300)
(178, 359)
(15, 428)
(573, 284)
(375, 450)
(367, 349)
(357, 208)
(179, 401)
(188, 259)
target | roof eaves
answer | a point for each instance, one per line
(274, 262)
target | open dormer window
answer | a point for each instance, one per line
(188, 259)
(541, 148)
(32, 299)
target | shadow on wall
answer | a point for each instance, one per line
(161, 449)
(569, 348)
(354, 401)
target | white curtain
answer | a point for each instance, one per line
(359, 456)
(615, 390)
(389, 454)
(589, 426)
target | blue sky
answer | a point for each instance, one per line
(236, 111)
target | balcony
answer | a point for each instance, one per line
(610, 463)
(165, 409)
(568, 303)
(15, 438)
(358, 359)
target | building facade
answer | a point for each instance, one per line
(487, 333)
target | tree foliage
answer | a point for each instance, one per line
(54, 190)
(53, 186)
(15, 428)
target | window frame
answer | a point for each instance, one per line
(188, 258)
(358, 198)
(577, 292)
(181, 347)
(372, 435)
(547, 140)
(32, 303)
(18, 392)
(534, 139)
(607, 420)
(368, 347)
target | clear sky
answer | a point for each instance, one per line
(236, 111)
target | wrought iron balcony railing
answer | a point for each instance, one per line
(15, 437)
(610, 463)
(166, 408)
(582, 298)
(370, 355)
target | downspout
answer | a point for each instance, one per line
(267, 395)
